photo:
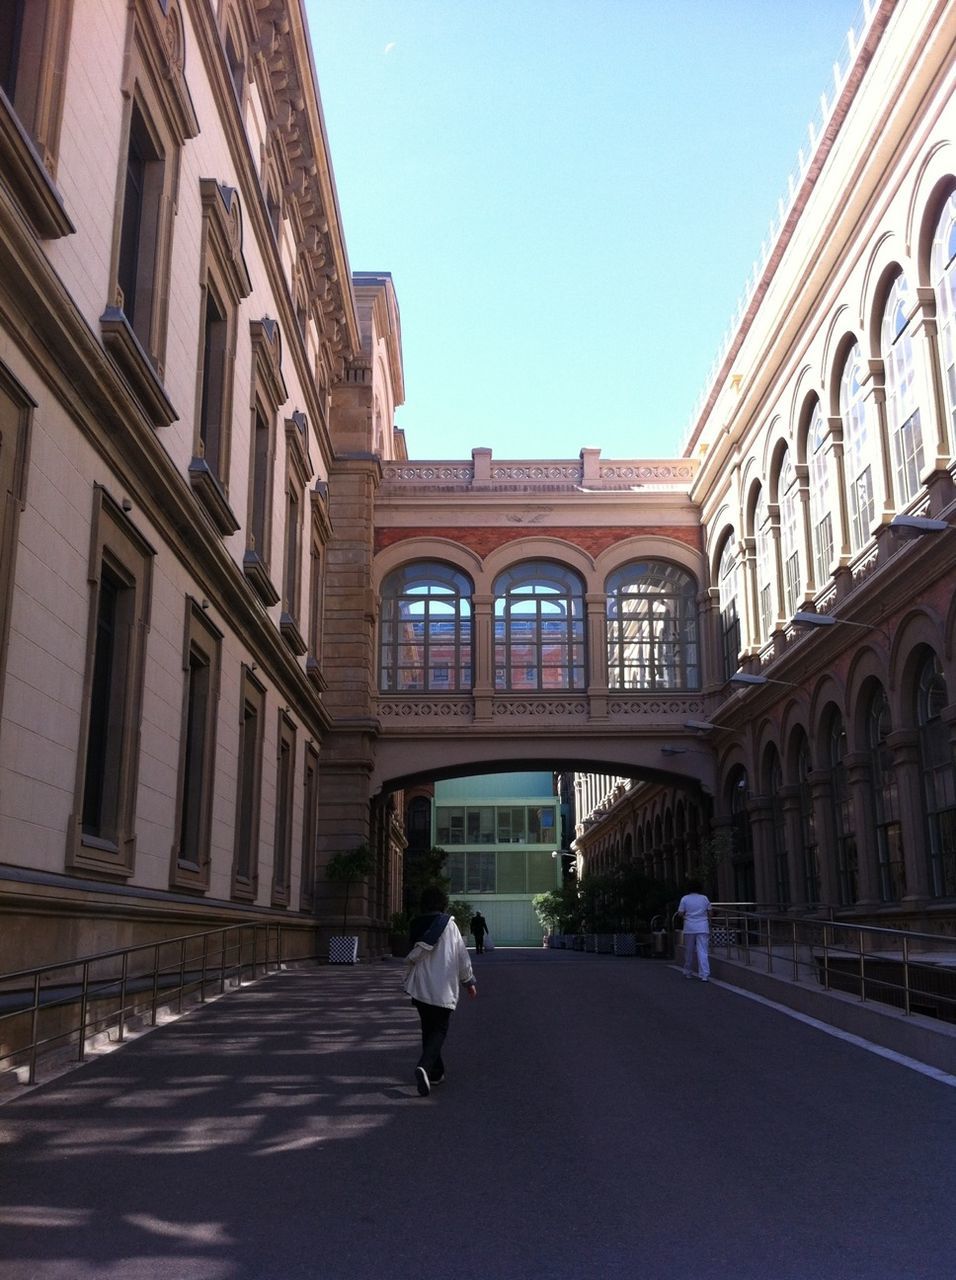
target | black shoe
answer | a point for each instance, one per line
(437, 1080)
(422, 1083)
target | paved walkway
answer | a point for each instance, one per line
(601, 1118)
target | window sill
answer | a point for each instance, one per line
(31, 185)
(258, 575)
(210, 494)
(314, 671)
(131, 360)
(292, 635)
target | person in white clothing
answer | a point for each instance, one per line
(695, 909)
(436, 967)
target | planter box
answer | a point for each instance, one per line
(343, 950)
(604, 944)
(625, 944)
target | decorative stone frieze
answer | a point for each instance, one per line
(640, 705)
(539, 708)
(399, 709)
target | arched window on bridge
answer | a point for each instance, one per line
(539, 628)
(425, 630)
(652, 627)
(943, 276)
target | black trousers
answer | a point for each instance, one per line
(434, 1022)
(479, 943)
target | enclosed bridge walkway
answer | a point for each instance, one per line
(601, 1117)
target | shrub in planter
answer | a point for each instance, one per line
(348, 868)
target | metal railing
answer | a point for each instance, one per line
(914, 972)
(66, 1004)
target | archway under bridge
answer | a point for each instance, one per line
(678, 759)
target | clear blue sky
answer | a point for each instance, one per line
(569, 195)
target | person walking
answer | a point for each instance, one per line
(479, 927)
(694, 906)
(437, 966)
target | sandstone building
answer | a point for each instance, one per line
(237, 622)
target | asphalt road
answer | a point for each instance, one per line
(602, 1117)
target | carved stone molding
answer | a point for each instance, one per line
(405, 709)
(541, 708)
(643, 705)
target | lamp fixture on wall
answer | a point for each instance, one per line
(706, 726)
(745, 678)
(916, 526)
(805, 619)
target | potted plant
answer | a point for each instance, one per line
(348, 868)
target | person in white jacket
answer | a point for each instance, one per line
(436, 967)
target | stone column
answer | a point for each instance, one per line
(904, 744)
(822, 792)
(596, 653)
(760, 816)
(859, 782)
(483, 655)
(793, 839)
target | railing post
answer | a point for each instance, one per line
(826, 958)
(769, 945)
(35, 1029)
(153, 1015)
(862, 949)
(84, 1008)
(182, 974)
(205, 958)
(121, 1032)
(906, 975)
(793, 938)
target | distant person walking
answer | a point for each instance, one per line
(479, 927)
(695, 909)
(437, 965)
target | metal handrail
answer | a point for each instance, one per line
(31, 994)
(872, 962)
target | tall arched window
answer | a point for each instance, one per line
(938, 769)
(728, 591)
(742, 852)
(789, 495)
(763, 541)
(902, 395)
(884, 797)
(652, 627)
(856, 449)
(425, 630)
(539, 628)
(808, 827)
(778, 829)
(846, 853)
(820, 500)
(943, 276)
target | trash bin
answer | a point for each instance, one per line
(660, 939)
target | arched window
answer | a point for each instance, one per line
(939, 777)
(763, 539)
(820, 500)
(884, 798)
(778, 830)
(728, 592)
(846, 853)
(943, 277)
(790, 535)
(745, 884)
(425, 630)
(902, 398)
(539, 628)
(808, 827)
(856, 449)
(652, 627)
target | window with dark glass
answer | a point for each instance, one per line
(652, 639)
(857, 448)
(101, 795)
(808, 828)
(843, 832)
(938, 769)
(310, 817)
(249, 781)
(820, 515)
(138, 233)
(282, 844)
(884, 798)
(425, 630)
